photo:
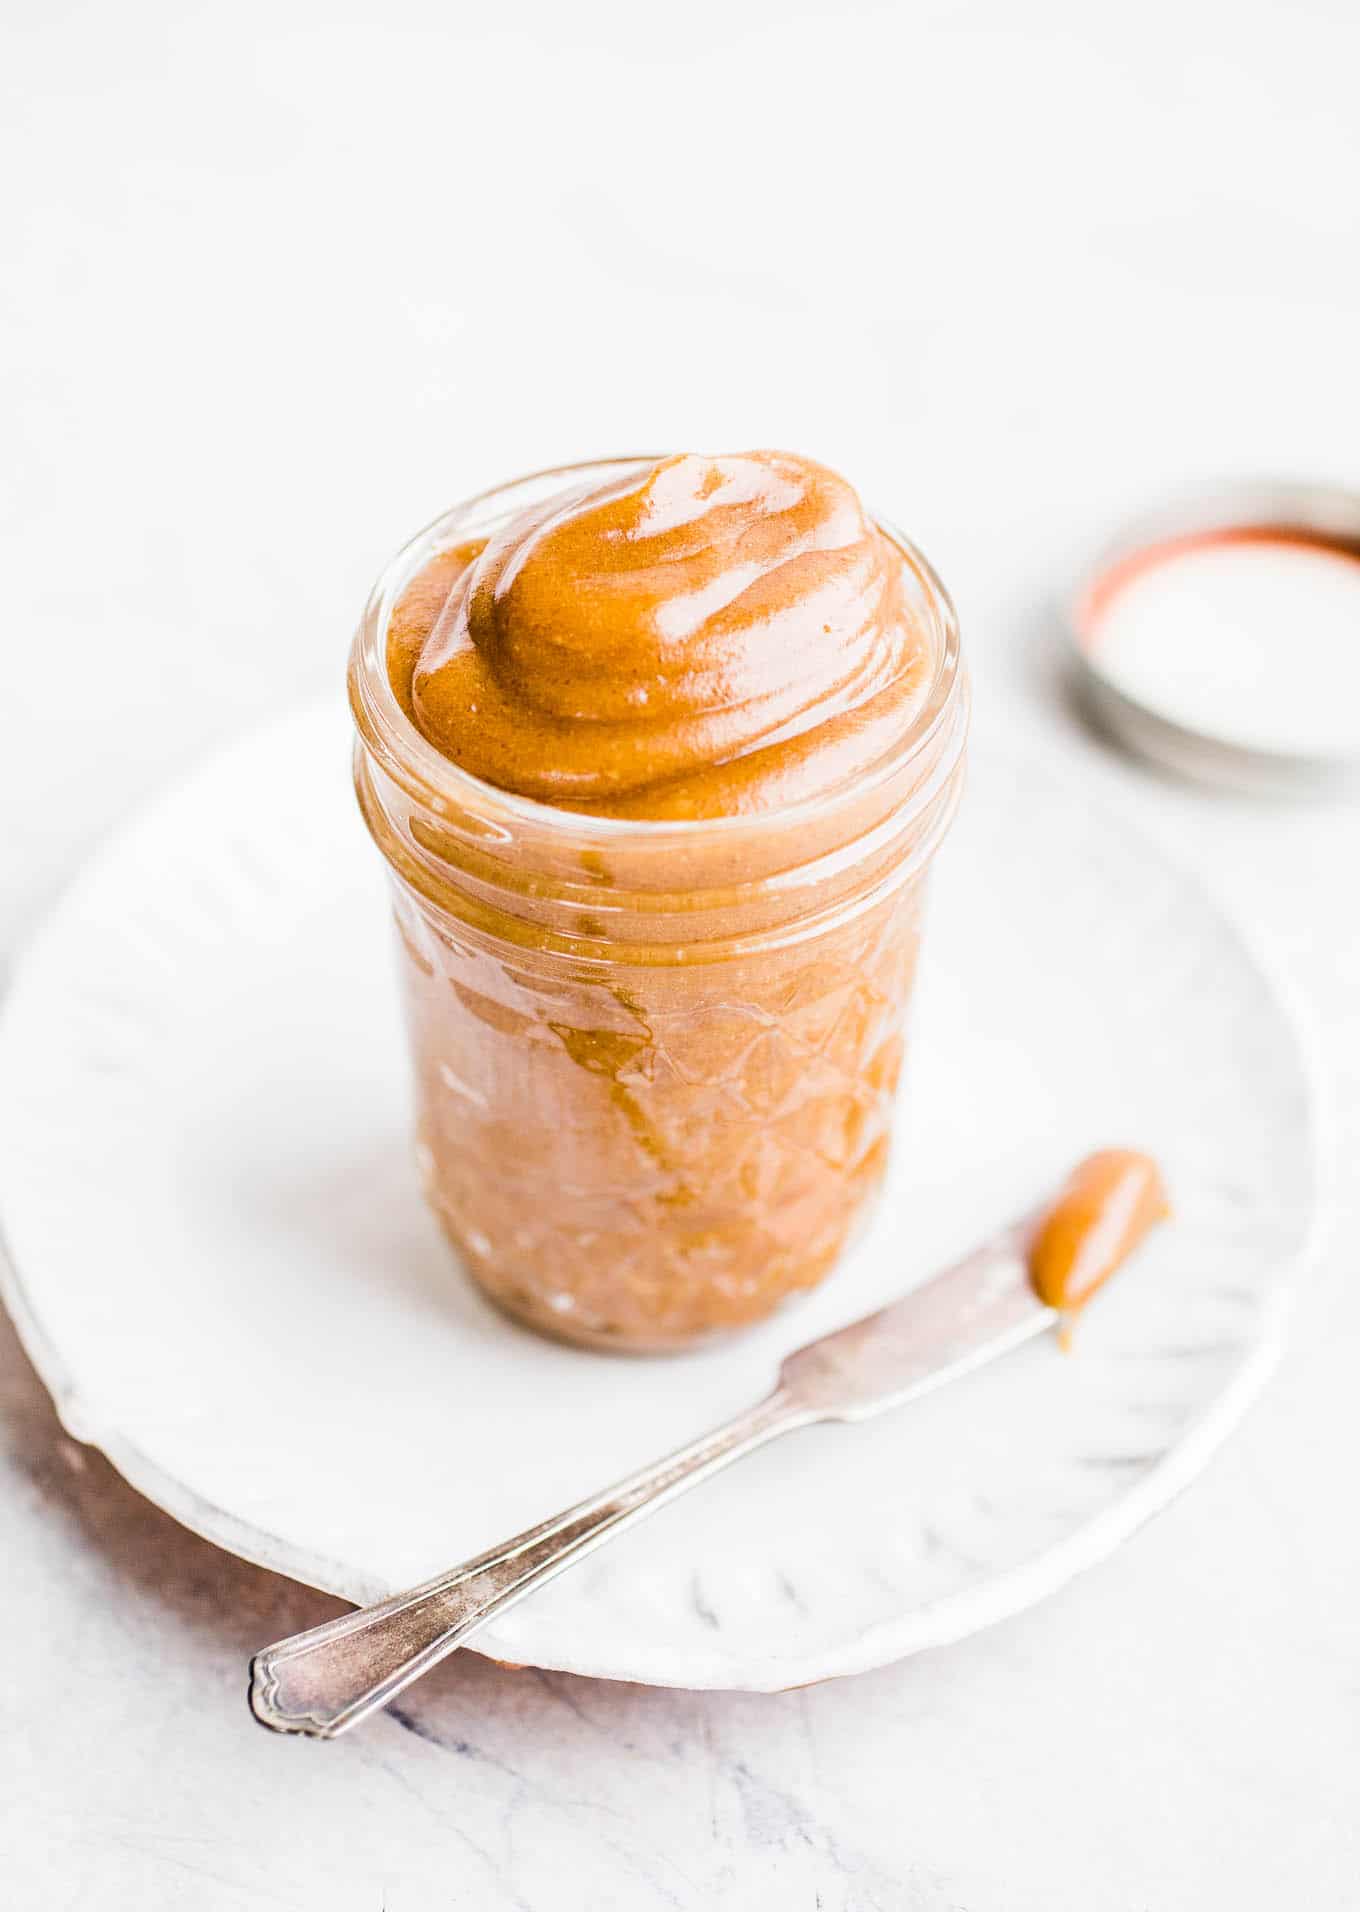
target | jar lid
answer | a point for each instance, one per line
(1220, 635)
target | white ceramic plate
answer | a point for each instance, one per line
(223, 1269)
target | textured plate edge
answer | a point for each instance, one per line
(941, 1624)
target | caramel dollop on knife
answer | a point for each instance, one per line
(1108, 1205)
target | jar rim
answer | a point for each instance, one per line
(434, 779)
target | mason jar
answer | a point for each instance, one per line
(655, 1061)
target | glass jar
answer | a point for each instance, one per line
(655, 1061)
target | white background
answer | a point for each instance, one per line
(281, 282)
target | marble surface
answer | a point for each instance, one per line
(283, 282)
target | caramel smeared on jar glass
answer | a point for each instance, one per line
(1110, 1202)
(658, 753)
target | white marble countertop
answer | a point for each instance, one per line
(285, 281)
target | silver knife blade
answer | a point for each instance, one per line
(980, 1308)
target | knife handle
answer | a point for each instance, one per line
(331, 1678)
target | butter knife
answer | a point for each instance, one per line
(328, 1680)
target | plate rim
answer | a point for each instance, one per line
(938, 1623)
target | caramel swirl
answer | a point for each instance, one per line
(706, 637)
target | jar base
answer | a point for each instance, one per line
(553, 1324)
